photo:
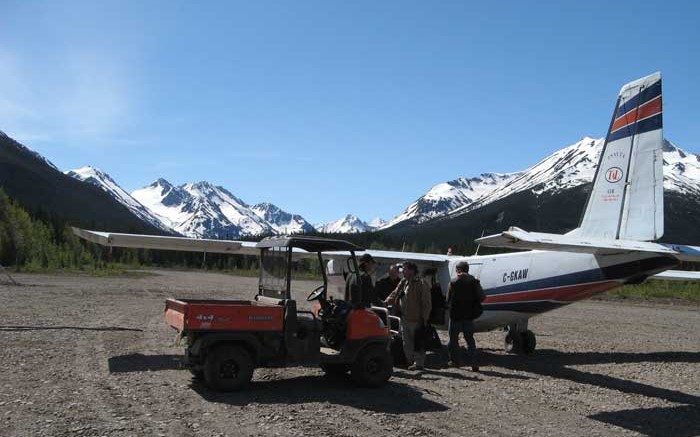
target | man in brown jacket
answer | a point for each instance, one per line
(413, 298)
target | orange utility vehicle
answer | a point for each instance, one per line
(227, 339)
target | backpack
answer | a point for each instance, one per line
(427, 339)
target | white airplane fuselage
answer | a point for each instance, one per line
(524, 284)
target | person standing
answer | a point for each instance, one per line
(464, 299)
(413, 299)
(387, 284)
(361, 295)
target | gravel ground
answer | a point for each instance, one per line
(84, 356)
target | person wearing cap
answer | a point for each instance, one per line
(464, 299)
(412, 296)
(361, 295)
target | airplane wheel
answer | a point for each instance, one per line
(512, 343)
(529, 342)
(520, 342)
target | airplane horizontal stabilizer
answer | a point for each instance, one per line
(110, 239)
(516, 238)
(678, 275)
(684, 252)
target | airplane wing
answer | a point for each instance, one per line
(388, 256)
(111, 239)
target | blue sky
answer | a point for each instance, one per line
(326, 108)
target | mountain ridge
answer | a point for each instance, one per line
(202, 209)
(566, 168)
(41, 188)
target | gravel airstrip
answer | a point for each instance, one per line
(92, 356)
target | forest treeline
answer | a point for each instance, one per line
(39, 241)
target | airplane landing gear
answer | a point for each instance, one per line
(520, 341)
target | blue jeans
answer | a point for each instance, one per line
(466, 327)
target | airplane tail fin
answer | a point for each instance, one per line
(626, 201)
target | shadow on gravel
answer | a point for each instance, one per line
(393, 398)
(76, 328)
(143, 363)
(495, 374)
(555, 364)
(680, 421)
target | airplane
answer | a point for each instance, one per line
(612, 246)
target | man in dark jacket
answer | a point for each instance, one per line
(361, 295)
(386, 285)
(464, 300)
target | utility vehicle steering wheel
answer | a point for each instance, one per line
(317, 293)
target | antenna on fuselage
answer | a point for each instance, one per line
(499, 219)
(479, 245)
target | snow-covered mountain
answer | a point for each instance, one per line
(377, 222)
(444, 198)
(201, 210)
(281, 221)
(102, 180)
(349, 224)
(567, 168)
(681, 170)
(204, 210)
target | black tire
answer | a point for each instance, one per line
(334, 369)
(197, 373)
(512, 342)
(228, 368)
(373, 366)
(529, 342)
(521, 342)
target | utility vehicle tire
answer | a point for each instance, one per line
(373, 366)
(227, 368)
(334, 369)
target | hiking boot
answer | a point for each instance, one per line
(453, 364)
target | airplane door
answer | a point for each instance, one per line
(447, 272)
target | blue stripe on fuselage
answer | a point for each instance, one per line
(533, 307)
(618, 271)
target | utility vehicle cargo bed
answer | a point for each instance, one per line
(223, 315)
